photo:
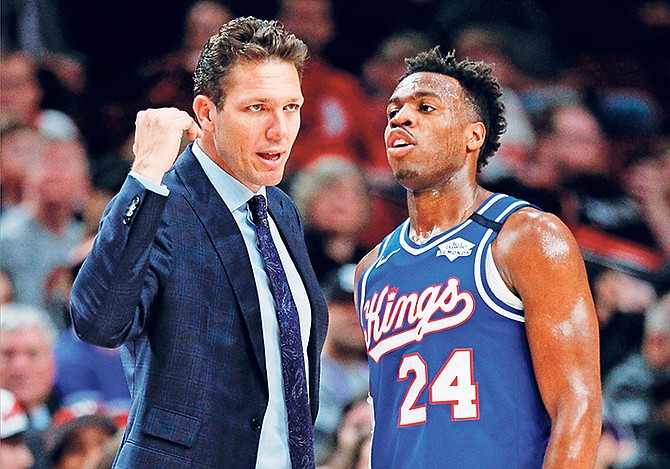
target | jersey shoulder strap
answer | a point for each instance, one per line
(497, 208)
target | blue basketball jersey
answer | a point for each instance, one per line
(451, 377)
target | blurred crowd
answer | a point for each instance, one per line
(587, 101)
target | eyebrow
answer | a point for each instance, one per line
(417, 95)
(270, 99)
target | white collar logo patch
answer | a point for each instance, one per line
(455, 248)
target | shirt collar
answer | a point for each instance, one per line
(234, 194)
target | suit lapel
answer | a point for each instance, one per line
(227, 239)
(288, 228)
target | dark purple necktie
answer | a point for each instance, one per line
(300, 428)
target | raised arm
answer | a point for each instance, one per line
(115, 278)
(540, 260)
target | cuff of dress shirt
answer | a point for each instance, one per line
(150, 184)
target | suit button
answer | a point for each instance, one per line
(130, 213)
(255, 423)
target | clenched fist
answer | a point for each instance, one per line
(158, 135)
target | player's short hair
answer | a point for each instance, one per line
(245, 38)
(480, 87)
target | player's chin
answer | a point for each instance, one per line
(405, 174)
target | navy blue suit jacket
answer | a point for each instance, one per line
(170, 279)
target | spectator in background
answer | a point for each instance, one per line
(628, 392)
(20, 148)
(108, 454)
(14, 454)
(648, 181)
(79, 435)
(44, 230)
(616, 446)
(624, 278)
(27, 368)
(591, 193)
(539, 181)
(344, 369)
(652, 26)
(27, 337)
(85, 371)
(333, 198)
(20, 97)
(332, 121)
(170, 79)
(621, 300)
(354, 437)
(36, 28)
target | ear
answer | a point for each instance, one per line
(476, 135)
(204, 109)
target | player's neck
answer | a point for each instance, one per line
(438, 210)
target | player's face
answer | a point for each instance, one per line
(259, 121)
(428, 130)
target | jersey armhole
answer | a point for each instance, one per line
(497, 284)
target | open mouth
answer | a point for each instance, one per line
(399, 143)
(270, 156)
(399, 138)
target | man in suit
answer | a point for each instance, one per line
(176, 278)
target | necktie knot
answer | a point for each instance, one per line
(259, 209)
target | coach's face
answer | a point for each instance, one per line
(251, 136)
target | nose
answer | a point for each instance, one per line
(278, 127)
(402, 118)
(17, 361)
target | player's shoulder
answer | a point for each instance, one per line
(363, 265)
(530, 223)
(366, 262)
(534, 234)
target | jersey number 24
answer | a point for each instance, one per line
(454, 384)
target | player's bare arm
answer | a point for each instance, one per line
(362, 266)
(540, 261)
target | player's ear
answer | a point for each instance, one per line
(475, 136)
(204, 109)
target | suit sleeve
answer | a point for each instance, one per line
(117, 282)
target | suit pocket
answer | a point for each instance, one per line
(133, 456)
(171, 426)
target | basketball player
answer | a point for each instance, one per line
(480, 328)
